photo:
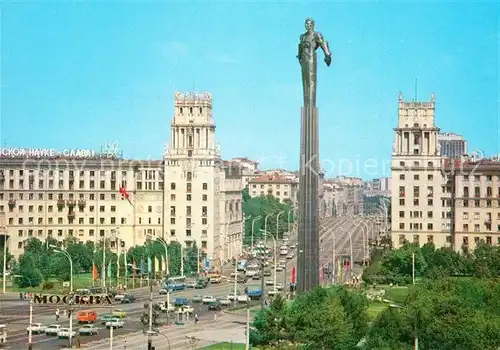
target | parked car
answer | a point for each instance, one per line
(269, 283)
(197, 299)
(115, 323)
(128, 299)
(187, 309)
(225, 302)
(243, 298)
(88, 329)
(163, 291)
(267, 272)
(52, 329)
(208, 299)
(241, 279)
(231, 296)
(119, 297)
(279, 268)
(166, 308)
(289, 256)
(273, 292)
(214, 306)
(36, 328)
(65, 333)
(191, 285)
(256, 277)
(119, 313)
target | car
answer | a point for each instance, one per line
(273, 292)
(233, 274)
(163, 291)
(293, 246)
(241, 279)
(215, 280)
(115, 323)
(256, 277)
(231, 296)
(279, 286)
(242, 299)
(267, 273)
(166, 308)
(106, 318)
(65, 333)
(128, 299)
(289, 256)
(269, 283)
(52, 329)
(187, 309)
(36, 328)
(279, 268)
(208, 299)
(88, 329)
(225, 301)
(119, 313)
(119, 297)
(197, 299)
(214, 306)
(191, 285)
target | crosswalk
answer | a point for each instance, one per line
(190, 336)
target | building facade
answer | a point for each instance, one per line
(417, 182)
(452, 145)
(475, 203)
(284, 189)
(189, 196)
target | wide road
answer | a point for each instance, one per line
(15, 313)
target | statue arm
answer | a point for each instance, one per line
(323, 44)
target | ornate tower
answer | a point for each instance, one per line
(192, 174)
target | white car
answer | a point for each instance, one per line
(208, 299)
(65, 333)
(233, 274)
(269, 283)
(36, 328)
(119, 297)
(293, 246)
(243, 299)
(289, 256)
(279, 286)
(164, 307)
(225, 302)
(231, 296)
(273, 292)
(52, 329)
(88, 329)
(187, 309)
(115, 323)
(279, 268)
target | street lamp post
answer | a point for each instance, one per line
(253, 229)
(165, 246)
(288, 221)
(30, 331)
(275, 254)
(265, 225)
(65, 253)
(278, 223)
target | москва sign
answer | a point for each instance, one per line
(76, 299)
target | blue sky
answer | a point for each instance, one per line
(79, 75)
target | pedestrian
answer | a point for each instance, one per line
(195, 318)
(215, 316)
(57, 314)
(125, 344)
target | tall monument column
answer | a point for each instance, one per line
(308, 216)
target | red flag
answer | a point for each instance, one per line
(125, 194)
(133, 268)
(293, 274)
(95, 274)
(323, 272)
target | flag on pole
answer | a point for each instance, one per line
(134, 267)
(150, 269)
(142, 267)
(125, 194)
(157, 264)
(95, 274)
(293, 275)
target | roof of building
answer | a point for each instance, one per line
(272, 178)
(472, 164)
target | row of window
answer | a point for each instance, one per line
(465, 215)
(112, 174)
(270, 192)
(465, 239)
(418, 226)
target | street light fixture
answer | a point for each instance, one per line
(165, 245)
(275, 253)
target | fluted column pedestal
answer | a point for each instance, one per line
(308, 215)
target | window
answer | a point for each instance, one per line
(172, 187)
(429, 227)
(150, 208)
(188, 197)
(416, 177)
(430, 177)
(113, 208)
(401, 226)
(204, 211)
(401, 191)
(172, 233)
(205, 186)
(172, 197)
(204, 221)
(430, 239)
(401, 214)
(401, 176)
(465, 216)
(172, 221)
(429, 214)
(401, 201)
(430, 202)
(204, 197)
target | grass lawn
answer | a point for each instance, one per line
(79, 281)
(397, 294)
(225, 346)
(376, 308)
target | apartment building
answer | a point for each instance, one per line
(276, 185)
(250, 168)
(417, 182)
(197, 209)
(69, 196)
(452, 145)
(475, 203)
(189, 196)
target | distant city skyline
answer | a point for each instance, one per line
(80, 75)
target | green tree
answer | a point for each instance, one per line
(29, 274)
(397, 265)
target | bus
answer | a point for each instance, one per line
(252, 270)
(178, 279)
(175, 283)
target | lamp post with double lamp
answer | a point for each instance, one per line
(65, 253)
(253, 230)
(288, 221)
(30, 332)
(265, 225)
(275, 255)
(359, 226)
(165, 246)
